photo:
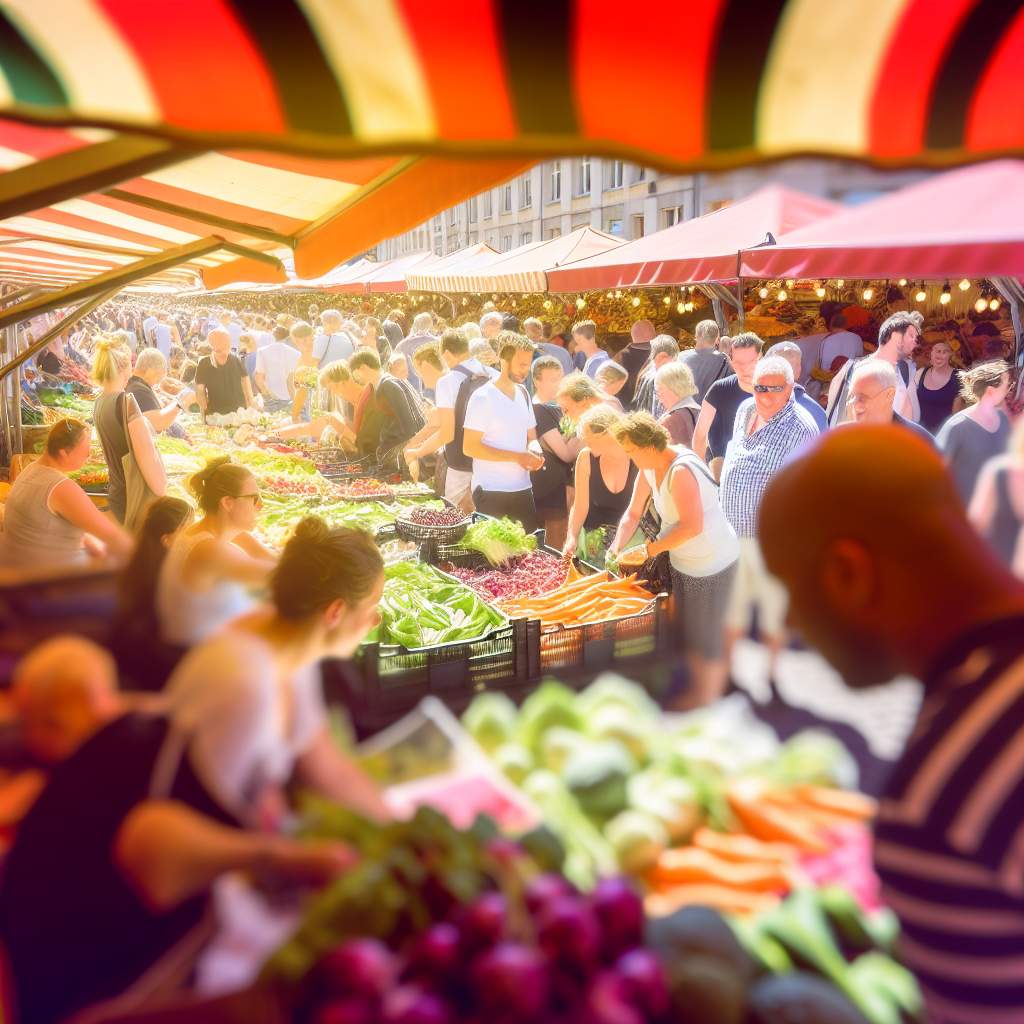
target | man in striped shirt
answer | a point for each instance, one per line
(886, 576)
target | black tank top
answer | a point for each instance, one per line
(937, 406)
(75, 932)
(607, 507)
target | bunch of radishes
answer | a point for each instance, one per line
(553, 956)
(446, 516)
(525, 576)
(289, 485)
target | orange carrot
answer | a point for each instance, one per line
(742, 849)
(772, 823)
(720, 897)
(842, 803)
(692, 865)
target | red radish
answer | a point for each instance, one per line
(483, 921)
(435, 954)
(511, 982)
(360, 967)
(546, 889)
(620, 911)
(643, 982)
(568, 932)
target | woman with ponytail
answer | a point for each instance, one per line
(111, 368)
(145, 817)
(214, 565)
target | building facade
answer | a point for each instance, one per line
(558, 196)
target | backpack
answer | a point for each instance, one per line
(453, 453)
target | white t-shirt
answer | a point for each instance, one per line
(162, 337)
(243, 729)
(505, 423)
(591, 365)
(277, 361)
(447, 389)
(842, 344)
(264, 338)
(236, 330)
(339, 345)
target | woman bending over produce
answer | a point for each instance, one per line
(111, 872)
(577, 393)
(214, 565)
(49, 520)
(604, 478)
(701, 545)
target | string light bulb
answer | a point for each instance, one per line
(547, 303)
(947, 294)
(920, 296)
(903, 282)
(994, 305)
(618, 294)
(841, 282)
(608, 295)
(869, 294)
(820, 291)
(964, 285)
(790, 285)
(680, 307)
(783, 295)
(581, 302)
(981, 305)
(636, 300)
(763, 293)
(667, 300)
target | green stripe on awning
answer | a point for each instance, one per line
(31, 79)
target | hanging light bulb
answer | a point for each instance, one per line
(763, 293)
(869, 294)
(547, 303)
(840, 282)
(964, 285)
(947, 294)
(920, 296)
(494, 298)
(981, 305)
(782, 295)
(903, 282)
(790, 284)
(618, 294)
(581, 302)
(690, 307)
(608, 295)
(465, 302)
(994, 305)
(636, 300)
(680, 307)
(820, 291)
(667, 300)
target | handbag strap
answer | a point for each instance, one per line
(124, 421)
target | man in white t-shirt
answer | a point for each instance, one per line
(261, 329)
(584, 334)
(274, 364)
(458, 481)
(500, 436)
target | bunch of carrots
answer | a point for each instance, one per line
(750, 871)
(582, 599)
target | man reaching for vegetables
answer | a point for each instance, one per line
(922, 595)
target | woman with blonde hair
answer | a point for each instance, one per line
(122, 427)
(674, 387)
(48, 519)
(997, 508)
(577, 394)
(214, 565)
(701, 546)
(603, 481)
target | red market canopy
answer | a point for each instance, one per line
(443, 275)
(391, 276)
(702, 250)
(966, 223)
(899, 81)
(530, 267)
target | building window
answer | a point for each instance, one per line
(671, 215)
(614, 226)
(506, 198)
(471, 211)
(472, 238)
(583, 176)
(525, 193)
(555, 182)
(639, 174)
(437, 223)
(638, 225)
(453, 244)
(488, 205)
(554, 232)
(506, 242)
(437, 247)
(614, 174)
(525, 237)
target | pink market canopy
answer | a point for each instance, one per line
(966, 223)
(703, 250)
(443, 275)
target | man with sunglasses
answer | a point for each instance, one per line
(770, 427)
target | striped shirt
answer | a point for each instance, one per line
(949, 841)
(751, 460)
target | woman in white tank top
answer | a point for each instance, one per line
(214, 566)
(701, 545)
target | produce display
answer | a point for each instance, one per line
(447, 516)
(498, 540)
(525, 576)
(422, 608)
(364, 487)
(92, 474)
(288, 485)
(582, 600)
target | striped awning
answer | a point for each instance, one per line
(263, 205)
(696, 85)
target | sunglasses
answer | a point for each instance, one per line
(769, 389)
(256, 498)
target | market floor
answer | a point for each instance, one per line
(875, 722)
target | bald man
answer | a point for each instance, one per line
(886, 576)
